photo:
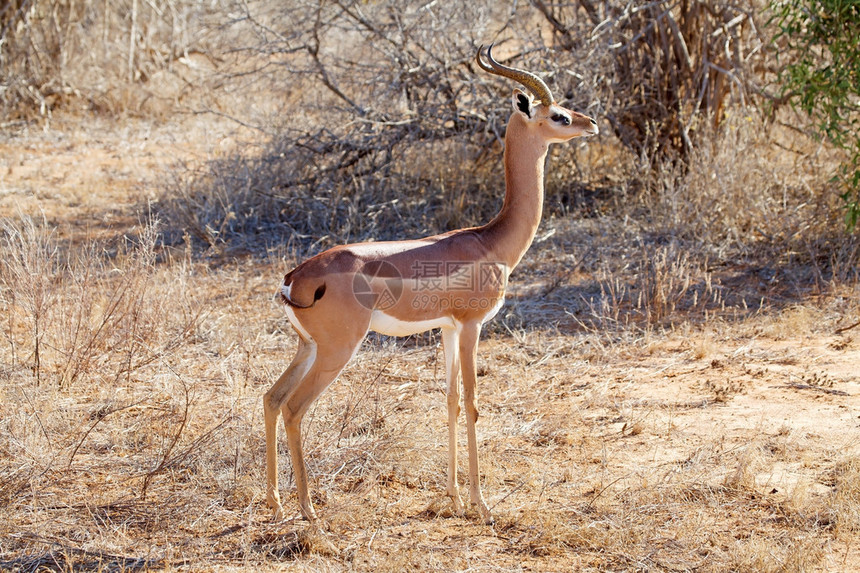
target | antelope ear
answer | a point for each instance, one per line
(523, 102)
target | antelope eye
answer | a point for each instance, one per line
(560, 118)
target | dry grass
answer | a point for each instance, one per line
(671, 386)
(68, 314)
(601, 452)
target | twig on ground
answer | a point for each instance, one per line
(849, 327)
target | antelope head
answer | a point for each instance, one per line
(556, 123)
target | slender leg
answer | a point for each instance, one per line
(468, 357)
(272, 402)
(325, 368)
(451, 347)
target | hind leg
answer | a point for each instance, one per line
(272, 402)
(328, 364)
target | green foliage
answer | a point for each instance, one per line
(820, 40)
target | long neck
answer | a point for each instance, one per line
(512, 231)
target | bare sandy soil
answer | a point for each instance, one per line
(723, 445)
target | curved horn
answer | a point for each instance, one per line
(528, 79)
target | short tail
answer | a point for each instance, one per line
(318, 294)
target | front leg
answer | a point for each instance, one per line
(469, 335)
(451, 348)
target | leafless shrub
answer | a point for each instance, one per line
(758, 191)
(54, 52)
(669, 67)
(394, 128)
(258, 199)
(26, 273)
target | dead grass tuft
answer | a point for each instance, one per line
(70, 314)
(843, 504)
(796, 555)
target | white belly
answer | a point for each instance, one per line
(386, 324)
(493, 311)
(391, 326)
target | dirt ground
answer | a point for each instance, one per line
(723, 445)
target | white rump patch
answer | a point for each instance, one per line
(291, 314)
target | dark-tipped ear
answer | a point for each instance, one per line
(522, 102)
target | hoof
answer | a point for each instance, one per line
(484, 512)
(314, 540)
(278, 512)
(457, 505)
(310, 516)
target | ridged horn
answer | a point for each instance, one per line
(532, 82)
